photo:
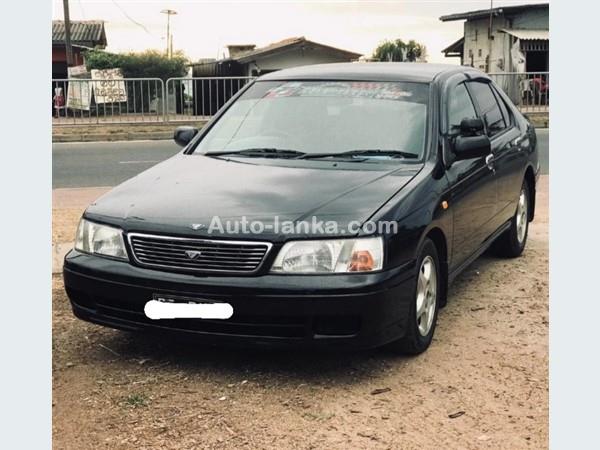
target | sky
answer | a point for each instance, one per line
(202, 29)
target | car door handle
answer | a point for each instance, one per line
(489, 162)
(520, 142)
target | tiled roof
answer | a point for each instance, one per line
(86, 33)
(515, 9)
(290, 42)
(456, 48)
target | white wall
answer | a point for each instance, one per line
(477, 42)
(294, 58)
(476, 39)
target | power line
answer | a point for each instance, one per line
(131, 18)
(81, 8)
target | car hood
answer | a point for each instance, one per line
(192, 191)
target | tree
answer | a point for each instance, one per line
(398, 50)
(147, 64)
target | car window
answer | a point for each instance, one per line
(460, 106)
(488, 106)
(505, 111)
(324, 116)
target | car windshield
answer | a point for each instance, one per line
(385, 119)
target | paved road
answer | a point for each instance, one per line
(543, 145)
(88, 164)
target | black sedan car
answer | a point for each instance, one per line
(328, 205)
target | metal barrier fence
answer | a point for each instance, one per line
(201, 97)
(140, 100)
(98, 102)
(150, 100)
(529, 91)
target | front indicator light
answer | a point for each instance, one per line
(362, 261)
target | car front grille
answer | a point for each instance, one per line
(197, 255)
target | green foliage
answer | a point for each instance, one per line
(398, 50)
(136, 400)
(147, 64)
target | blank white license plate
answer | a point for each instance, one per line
(174, 307)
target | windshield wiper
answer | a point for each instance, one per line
(262, 152)
(362, 152)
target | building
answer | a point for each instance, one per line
(247, 60)
(87, 34)
(498, 39)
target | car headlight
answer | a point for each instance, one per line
(100, 240)
(330, 256)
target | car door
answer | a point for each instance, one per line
(503, 135)
(472, 182)
(509, 159)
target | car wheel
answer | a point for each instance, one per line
(512, 242)
(423, 310)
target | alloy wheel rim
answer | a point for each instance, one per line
(426, 295)
(521, 217)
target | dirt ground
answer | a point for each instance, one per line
(482, 384)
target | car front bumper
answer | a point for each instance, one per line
(351, 310)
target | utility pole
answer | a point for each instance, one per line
(169, 13)
(69, 48)
(490, 38)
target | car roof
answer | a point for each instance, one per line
(369, 71)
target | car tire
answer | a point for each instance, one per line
(421, 326)
(511, 243)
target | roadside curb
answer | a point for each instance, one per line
(58, 255)
(118, 132)
(539, 119)
(95, 137)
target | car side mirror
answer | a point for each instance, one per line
(469, 147)
(472, 126)
(183, 135)
(471, 143)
